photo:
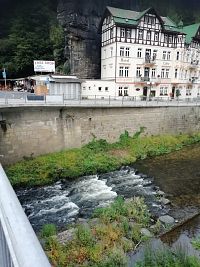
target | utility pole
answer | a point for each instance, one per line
(4, 76)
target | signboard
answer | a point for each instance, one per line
(44, 66)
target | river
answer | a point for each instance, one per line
(177, 174)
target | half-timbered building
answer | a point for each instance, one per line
(145, 54)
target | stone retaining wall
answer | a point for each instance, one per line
(27, 132)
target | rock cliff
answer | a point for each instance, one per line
(80, 19)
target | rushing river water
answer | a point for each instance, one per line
(63, 202)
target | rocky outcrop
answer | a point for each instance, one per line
(80, 19)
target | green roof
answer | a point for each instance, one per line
(129, 17)
(191, 31)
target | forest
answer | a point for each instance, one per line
(30, 29)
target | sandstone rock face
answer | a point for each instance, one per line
(81, 19)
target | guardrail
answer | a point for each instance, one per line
(27, 99)
(19, 246)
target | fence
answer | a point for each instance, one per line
(19, 246)
(27, 99)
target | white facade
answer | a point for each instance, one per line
(144, 54)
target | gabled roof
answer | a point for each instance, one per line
(191, 31)
(131, 18)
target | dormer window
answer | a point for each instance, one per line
(140, 34)
(148, 36)
(128, 33)
(122, 32)
(156, 37)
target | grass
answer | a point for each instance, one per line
(96, 157)
(106, 242)
(167, 257)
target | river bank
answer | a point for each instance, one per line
(96, 157)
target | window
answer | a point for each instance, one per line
(164, 55)
(100, 88)
(176, 73)
(166, 38)
(156, 37)
(89, 87)
(120, 93)
(126, 70)
(111, 33)
(104, 53)
(163, 91)
(163, 73)
(138, 72)
(177, 55)
(153, 73)
(167, 74)
(146, 19)
(154, 55)
(106, 88)
(125, 91)
(170, 39)
(148, 36)
(122, 32)
(127, 52)
(121, 71)
(121, 52)
(188, 92)
(128, 33)
(139, 53)
(168, 55)
(84, 87)
(140, 35)
(151, 20)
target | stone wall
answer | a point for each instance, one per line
(27, 132)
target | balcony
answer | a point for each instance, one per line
(194, 64)
(149, 61)
(192, 80)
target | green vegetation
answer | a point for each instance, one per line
(196, 243)
(168, 258)
(96, 157)
(103, 243)
(48, 230)
(31, 32)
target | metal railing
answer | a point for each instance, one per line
(24, 99)
(19, 246)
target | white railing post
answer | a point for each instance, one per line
(21, 244)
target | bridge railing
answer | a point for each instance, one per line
(19, 246)
(28, 99)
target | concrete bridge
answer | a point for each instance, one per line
(19, 246)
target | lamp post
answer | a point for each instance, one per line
(4, 76)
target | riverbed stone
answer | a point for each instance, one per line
(160, 193)
(66, 236)
(167, 219)
(146, 232)
(165, 201)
